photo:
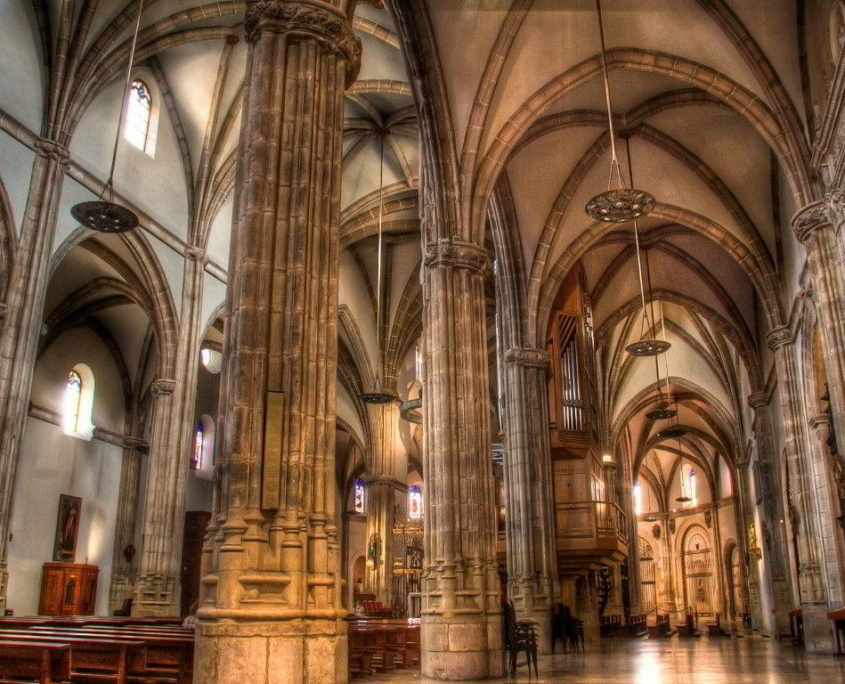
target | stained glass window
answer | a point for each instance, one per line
(72, 400)
(138, 115)
(199, 438)
(359, 496)
(415, 503)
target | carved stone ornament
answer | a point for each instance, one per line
(458, 254)
(757, 400)
(163, 386)
(656, 531)
(809, 219)
(779, 337)
(835, 202)
(331, 29)
(619, 206)
(52, 150)
(527, 357)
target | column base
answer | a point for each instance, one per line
(818, 635)
(280, 652)
(156, 595)
(122, 588)
(462, 648)
(4, 585)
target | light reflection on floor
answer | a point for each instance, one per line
(674, 661)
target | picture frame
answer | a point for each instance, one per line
(67, 528)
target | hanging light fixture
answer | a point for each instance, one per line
(102, 214)
(620, 204)
(649, 515)
(379, 395)
(665, 413)
(683, 498)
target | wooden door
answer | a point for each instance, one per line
(195, 524)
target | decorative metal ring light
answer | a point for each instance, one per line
(379, 395)
(649, 516)
(104, 215)
(666, 412)
(621, 204)
(683, 498)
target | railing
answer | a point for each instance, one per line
(599, 519)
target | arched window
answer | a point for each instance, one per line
(359, 496)
(138, 111)
(692, 488)
(78, 402)
(638, 498)
(73, 395)
(199, 444)
(415, 502)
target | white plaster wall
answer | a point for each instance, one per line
(20, 56)
(52, 464)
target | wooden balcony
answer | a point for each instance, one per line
(590, 534)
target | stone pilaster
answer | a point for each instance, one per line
(528, 488)
(272, 610)
(774, 541)
(23, 314)
(461, 615)
(123, 575)
(157, 585)
(751, 586)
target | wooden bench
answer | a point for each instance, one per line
(93, 659)
(43, 661)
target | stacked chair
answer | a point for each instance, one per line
(520, 637)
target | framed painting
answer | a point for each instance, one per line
(67, 528)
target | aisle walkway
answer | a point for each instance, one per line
(701, 661)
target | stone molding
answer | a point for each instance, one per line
(779, 337)
(162, 386)
(810, 219)
(53, 150)
(758, 400)
(330, 29)
(835, 202)
(196, 254)
(460, 255)
(527, 357)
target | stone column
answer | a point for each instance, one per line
(123, 579)
(272, 609)
(528, 487)
(461, 615)
(745, 520)
(157, 584)
(23, 314)
(775, 541)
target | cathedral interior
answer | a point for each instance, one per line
(401, 339)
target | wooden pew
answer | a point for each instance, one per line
(44, 662)
(169, 656)
(93, 660)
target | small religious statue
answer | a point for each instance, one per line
(753, 548)
(374, 549)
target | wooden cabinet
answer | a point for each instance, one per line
(68, 589)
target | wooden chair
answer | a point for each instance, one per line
(520, 637)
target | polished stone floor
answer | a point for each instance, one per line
(674, 661)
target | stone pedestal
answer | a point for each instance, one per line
(271, 611)
(461, 615)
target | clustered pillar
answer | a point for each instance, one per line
(461, 614)
(22, 320)
(271, 610)
(528, 485)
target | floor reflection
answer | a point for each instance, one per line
(702, 661)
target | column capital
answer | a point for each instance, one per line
(45, 147)
(162, 386)
(458, 254)
(821, 426)
(779, 337)
(321, 23)
(758, 400)
(528, 357)
(196, 254)
(809, 219)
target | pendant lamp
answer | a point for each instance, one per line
(617, 204)
(102, 214)
(379, 395)
(649, 516)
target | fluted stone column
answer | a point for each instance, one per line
(779, 341)
(272, 609)
(528, 488)
(23, 314)
(751, 589)
(157, 585)
(461, 615)
(123, 579)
